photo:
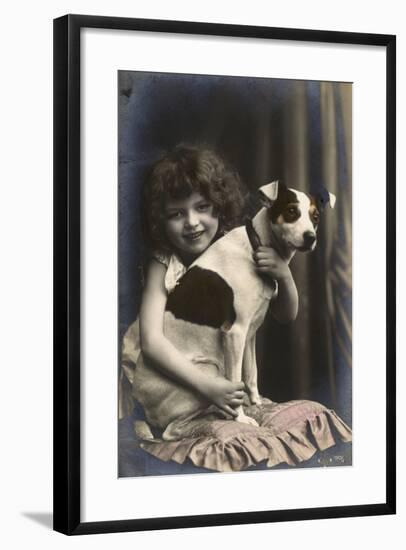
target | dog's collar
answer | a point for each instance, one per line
(255, 242)
(253, 236)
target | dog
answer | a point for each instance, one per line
(214, 312)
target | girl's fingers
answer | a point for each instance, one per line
(229, 410)
(239, 394)
(266, 263)
(264, 249)
(265, 255)
(236, 402)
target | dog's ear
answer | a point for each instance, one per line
(332, 200)
(268, 193)
(323, 197)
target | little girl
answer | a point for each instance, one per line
(190, 200)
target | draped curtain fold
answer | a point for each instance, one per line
(311, 358)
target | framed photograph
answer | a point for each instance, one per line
(217, 263)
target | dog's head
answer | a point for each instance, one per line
(294, 215)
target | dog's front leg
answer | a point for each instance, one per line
(233, 345)
(250, 371)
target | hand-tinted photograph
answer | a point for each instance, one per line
(235, 274)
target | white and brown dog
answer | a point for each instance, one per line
(212, 316)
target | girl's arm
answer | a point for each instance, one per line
(163, 353)
(285, 304)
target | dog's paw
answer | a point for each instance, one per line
(255, 397)
(244, 419)
(142, 430)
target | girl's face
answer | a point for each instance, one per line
(190, 224)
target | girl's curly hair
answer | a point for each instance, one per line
(180, 173)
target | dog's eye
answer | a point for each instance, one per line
(291, 213)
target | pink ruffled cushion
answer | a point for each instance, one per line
(288, 433)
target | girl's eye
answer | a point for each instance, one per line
(203, 207)
(174, 215)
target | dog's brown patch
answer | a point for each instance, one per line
(314, 211)
(285, 208)
(203, 297)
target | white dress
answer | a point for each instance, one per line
(131, 347)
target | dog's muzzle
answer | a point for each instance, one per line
(309, 239)
(309, 242)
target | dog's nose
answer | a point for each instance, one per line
(309, 238)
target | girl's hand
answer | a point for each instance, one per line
(223, 393)
(269, 262)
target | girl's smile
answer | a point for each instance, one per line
(190, 225)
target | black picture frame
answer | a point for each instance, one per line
(67, 272)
